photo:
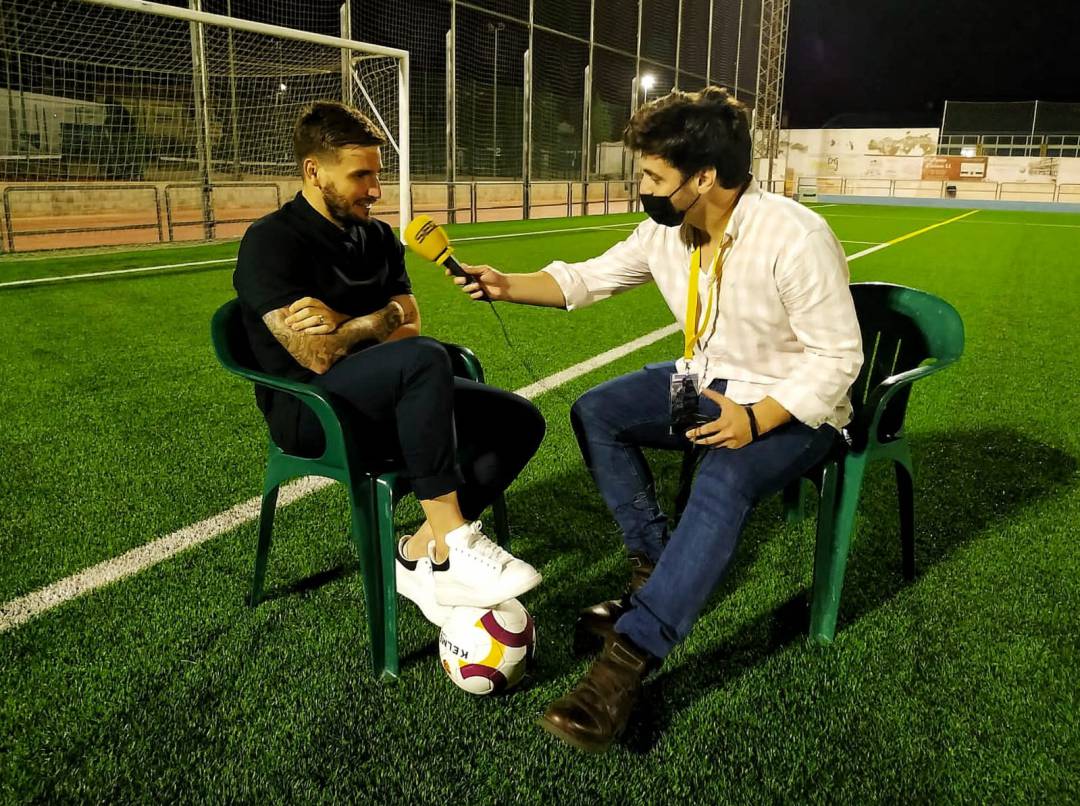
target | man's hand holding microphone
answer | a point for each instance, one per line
(483, 282)
(429, 240)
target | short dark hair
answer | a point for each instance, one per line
(325, 126)
(693, 131)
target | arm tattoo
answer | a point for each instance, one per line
(319, 353)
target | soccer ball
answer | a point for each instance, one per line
(484, 651)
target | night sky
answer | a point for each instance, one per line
(895, 62)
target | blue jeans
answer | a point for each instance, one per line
(613, 422)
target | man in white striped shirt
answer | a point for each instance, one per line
(772, 345)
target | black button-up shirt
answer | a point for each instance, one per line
(295, 252)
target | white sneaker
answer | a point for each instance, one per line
(478, 572)
(415, 583)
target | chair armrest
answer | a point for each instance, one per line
(465, 362)
(320, 402)
(884, 391)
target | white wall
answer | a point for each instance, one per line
(897, 154)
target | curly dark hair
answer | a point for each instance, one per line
(695, 130)
(325, 126)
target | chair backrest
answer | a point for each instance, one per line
(902, 328)
(230, 340)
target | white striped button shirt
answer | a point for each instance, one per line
(783, 324)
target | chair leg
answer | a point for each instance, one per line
(365, 538)
(502, 522)
(794, 502)
(905, 495)
(384, 517)
(836, 521)
(262, 550)
(690, 459)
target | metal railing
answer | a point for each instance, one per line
(1049, 191)
(210, 224)
(1010, 145)
(58, 193)
(576, 199)
(151, 213)
(166, 217)
(116, 210)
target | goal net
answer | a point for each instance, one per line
(113, 92)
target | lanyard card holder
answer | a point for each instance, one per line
(683, 402)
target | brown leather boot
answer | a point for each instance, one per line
(595, 713)
(596, 622)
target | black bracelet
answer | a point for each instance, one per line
(753, 422)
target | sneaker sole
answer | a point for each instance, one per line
(454, 595)
(408, 591)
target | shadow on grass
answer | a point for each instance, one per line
(309, 583)
(966, 483)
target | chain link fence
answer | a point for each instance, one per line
(513, 104)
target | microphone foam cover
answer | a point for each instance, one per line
(427, 239)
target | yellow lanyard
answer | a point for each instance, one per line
(691, 333)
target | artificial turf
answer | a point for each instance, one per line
(121, 428)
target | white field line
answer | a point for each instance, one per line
(576, 371)
(542, 232)
(87, 275)
(23, 609)
(869, 251)
(1026, 224)
(983, 222)
(166, 266)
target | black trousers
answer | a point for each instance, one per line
(406, 407)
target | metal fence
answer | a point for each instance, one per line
(517, 92)
(143, 213)
(1010, 129)
(542, 89)
(1051, 191)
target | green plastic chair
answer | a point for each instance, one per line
(373, 492)
(907, 335)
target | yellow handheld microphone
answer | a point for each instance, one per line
(430, 241)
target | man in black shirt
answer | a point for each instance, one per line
(326, 300)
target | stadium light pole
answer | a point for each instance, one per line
(495, 27)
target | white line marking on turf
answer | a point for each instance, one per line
(541, 232)
(1026, 224)
(62, 278)
(576, 371)
(984, 221)
(91, 275)
(20, 610)
(24, 608)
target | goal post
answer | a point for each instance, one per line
(197, 103)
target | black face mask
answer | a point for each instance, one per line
(662, 211)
